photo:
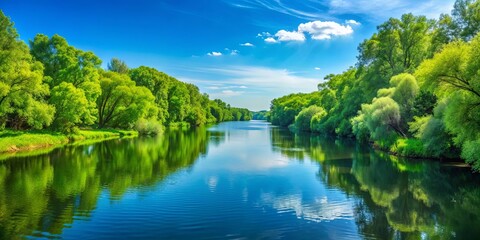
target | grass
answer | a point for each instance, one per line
(12, 141)
(101, 134)
(412, 148)
(15, 141)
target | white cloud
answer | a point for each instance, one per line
(352, 22)
(264, 84)
(214, 54)
(285, 36)
(277, 80)
(264, 35)
(234, 52)
(318, 210)
(223, 87)
(247, 44)
(229, 93)
(317, 68)
(325, 30)
(317, 30)
(270, 40)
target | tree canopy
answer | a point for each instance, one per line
(415, 90)
(51, 84)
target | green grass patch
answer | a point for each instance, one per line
(412, 148)
(101, 134)
(16, 141)
(12, 141)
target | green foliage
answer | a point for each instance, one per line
(158, 83)
(182, 102)
(317, 119)
(381, 116)
(21, 87)
(148, 127)
(466, 18)
(348, 96)
(441, 110)
(178, 102)
(408, 147)
(404, 89)
(72, 107)
(399, 46)
(453, 75)
(283, 110)
(389, 112)
(437, 141)
(304, 118)
(122, 103)
(424, 103)
(470, 152)
(418, 125)
(64, 64)
(118, 66)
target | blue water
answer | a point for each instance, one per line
(236, 180)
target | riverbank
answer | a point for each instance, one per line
(19, 141)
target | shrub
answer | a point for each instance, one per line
(148, 127)
(303, 119)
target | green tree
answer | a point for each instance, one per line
(178, 102)
(405, 90)
(399, 46)
(303, 119)
(466, 18)
(453, 74)
(117, 65)
(21, 87)
(424, 103)
(122, 103)
(158, 83)
(283, 110)
(72, 107)
(65, 64)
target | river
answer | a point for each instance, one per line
(235, 180)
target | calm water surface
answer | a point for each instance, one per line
(237, 180)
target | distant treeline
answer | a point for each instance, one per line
(415, 90)
(260, 115)
(53, 85)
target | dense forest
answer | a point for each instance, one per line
(415, 90)
(53, 85)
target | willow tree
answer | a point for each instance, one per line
(453, 75)
(122, 103)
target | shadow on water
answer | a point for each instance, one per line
(41, 195)
(398, 198)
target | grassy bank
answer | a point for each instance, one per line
(15, 141)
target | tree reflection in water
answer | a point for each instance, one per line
(396, 198)
(43, 194)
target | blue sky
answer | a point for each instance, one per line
(245, 52)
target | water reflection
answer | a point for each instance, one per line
(234, 180)
(399, 198)
(41, 195)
